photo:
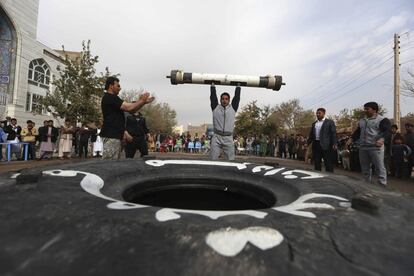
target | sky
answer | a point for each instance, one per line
(332, 54)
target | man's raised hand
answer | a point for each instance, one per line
(146, 97)
(150, 99)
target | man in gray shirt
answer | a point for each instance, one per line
(223, 121)
(372, 132)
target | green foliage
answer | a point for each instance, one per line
(288, 116)
(292, 116)
(160, 117)
(358, 113)
(343, 119)
(130, 95)
(78, 88)
(409, 115)
(249, 121)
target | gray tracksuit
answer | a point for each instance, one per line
(223, 122)
(369, 131)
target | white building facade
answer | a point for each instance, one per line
(27, 66)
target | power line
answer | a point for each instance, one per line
(403, 44)
(370, 53)
(406, 49)
(348, 80)
(362, 69)
(359, 86)
(406, 33)
(408, 61)
(352, 80)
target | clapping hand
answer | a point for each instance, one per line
(146, 97)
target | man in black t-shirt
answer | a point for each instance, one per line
(113, 129)
(137, 128)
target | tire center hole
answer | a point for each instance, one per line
(200, 194)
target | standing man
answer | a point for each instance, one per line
(292, 146)
(48, 136)
(13, 136)
(66, 139)
(372, 132)
(223, 122)
(409, 141)
(323, 139)
(97, 141)
(29, 135)
(389, 163)
(137, 128)
(84, 134)
(113, 129)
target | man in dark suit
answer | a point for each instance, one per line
(323, 139)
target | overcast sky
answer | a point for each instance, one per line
(325, 50)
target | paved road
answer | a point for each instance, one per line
(406, 186)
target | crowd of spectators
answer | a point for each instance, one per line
(399, 150)
(83, 141)
(48, 141)
(179, 143)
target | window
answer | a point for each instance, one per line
(34, 104)
(39, 73)
(37, 105)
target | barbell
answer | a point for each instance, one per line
(268, 81)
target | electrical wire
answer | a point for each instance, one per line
(355, 88)
(370, 53)
(352, 80)
(348, 80)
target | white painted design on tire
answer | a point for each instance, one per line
(93, 184)
(260, 168)
(15, 175)
(300, 204)
(273, 172)
(159, 163)
(166, 214)
(230, 241)
(312, 175)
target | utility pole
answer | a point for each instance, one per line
(397, 113)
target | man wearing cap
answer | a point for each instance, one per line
(372, 132)
(223, 121)
(29, 135)
(409, 141)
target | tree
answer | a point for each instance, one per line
(78, 88)
(343, 119)
(304, 120)
(292, 116)
(248, 121)
(160, 117)
(130, 95)
(358, 112)
(408, 85)
(270, 124)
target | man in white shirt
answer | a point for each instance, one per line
(323, 139)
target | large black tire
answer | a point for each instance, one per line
(56, 221)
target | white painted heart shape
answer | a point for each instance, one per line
(230, 241)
